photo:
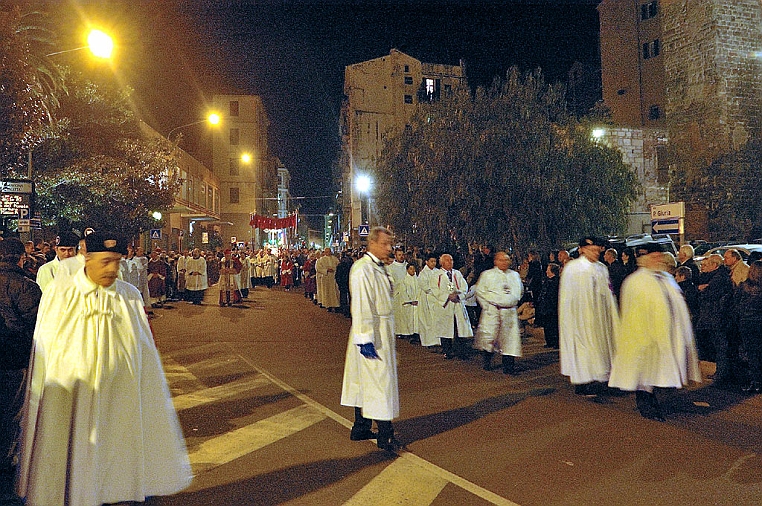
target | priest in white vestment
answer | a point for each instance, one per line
(655, 347)
(196, 280)
(406, 294)
(427, 328)
(99, 425)
(588, 318)
(449, 288)
(326, 270)
(499, 291)
(370, 382)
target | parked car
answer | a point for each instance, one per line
(753, 251)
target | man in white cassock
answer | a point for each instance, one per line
(449, 288)
(588, 318)
(66, 247)
(398, 271)
(370, 370)
(326, 270)
(499, 291)
(655, 347)
(99, 425)
(406, 294)
(195, 277)
(427, 328)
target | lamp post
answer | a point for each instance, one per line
(100, 44)
(212, 119)
(363, 184)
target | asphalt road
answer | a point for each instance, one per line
(257, 390)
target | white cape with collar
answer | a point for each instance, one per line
(99, 425)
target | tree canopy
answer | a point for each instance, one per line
(509, 165)
(92, 164)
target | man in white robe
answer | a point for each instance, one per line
(99, 425)
(499, 291)
(588, 318)
(196, 277)
(406, 316)
(449, 289)
(655, 347)
(427, 304)
(66, 247)
(370, 381)
(326, 269)
(398, 271)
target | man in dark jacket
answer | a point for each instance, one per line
(19, 299)
(715, 294)
(546, 309)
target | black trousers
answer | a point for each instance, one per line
(362, 424)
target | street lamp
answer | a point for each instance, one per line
(212, 119)
(363, 184)
(100, 44)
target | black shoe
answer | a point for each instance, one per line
(362, 436)
(585, 389)
(390, 445)
(509, 365)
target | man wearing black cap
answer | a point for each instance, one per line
(66, 247)
(587, 318)
(99, 426)
(655, 347)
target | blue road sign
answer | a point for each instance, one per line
(363, 230)
(665, 226)
(155, 233)
(23, 213)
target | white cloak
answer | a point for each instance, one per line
(426, 303)
(405, 313)
(444, 312)
(655, 346)
(99, 425)
(327, 288)
(588, 321)
(371, 384)
(498, 292)
(195, 274)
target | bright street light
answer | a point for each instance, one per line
(100, 44)
(363, 183)
(246, 158)
(212, 119)
(598, 133)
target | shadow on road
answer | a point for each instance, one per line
(423, 427)
(276, 487)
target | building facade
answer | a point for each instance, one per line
(380, 96)
(246, 169)
(690, 67)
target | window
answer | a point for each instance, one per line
(649, 10)
(408, 79)
(234, 196)
(651, 49)
(662, 165)
(429, 83)
(234, 165)
(235, 136)
(654, 112)
(234, 107)
(408, 99)
(407, 68)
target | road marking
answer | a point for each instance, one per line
(447, 475)
(401, 482)
(214, 394)
(220, 450)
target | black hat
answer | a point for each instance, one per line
(67, 240)
(99, 241)
(591, 240)
(649, 247)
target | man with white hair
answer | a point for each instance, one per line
(449, 288)
(685, 259)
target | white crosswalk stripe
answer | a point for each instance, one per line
(401, 482)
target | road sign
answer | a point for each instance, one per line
(666, 226)
(668, 211)
(155, 233)
(363, 230)
(24, 213)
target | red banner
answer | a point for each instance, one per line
(272, 223)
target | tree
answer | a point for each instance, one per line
(100, 170)
(30, 85)
(509, 166)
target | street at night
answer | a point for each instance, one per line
(257, 390)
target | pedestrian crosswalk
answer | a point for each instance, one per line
(407, 479)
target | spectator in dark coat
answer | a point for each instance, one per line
(546, 309)
(684, 278)
(617, 270)
(685, 259)
(715, 296)
(749, 314)
(19, 300)
(342, 279)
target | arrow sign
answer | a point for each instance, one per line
(666, 226)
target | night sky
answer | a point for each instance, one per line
(177, 54)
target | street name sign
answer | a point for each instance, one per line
(666, 226)
(667, 218)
